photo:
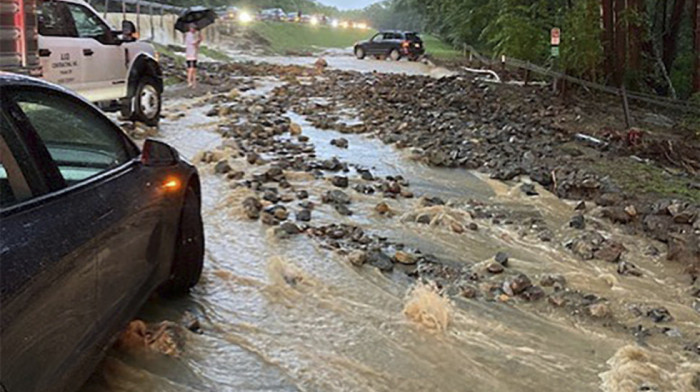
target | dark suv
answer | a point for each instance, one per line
(392, 44)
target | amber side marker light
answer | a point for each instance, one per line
(171, 184)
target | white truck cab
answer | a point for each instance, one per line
(78, 49)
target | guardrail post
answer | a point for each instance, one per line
(106, 8)
(123, 9)
(153, 31)
(138, 16)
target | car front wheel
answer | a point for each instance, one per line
(360, 53)
(188, 259)
(147, 102)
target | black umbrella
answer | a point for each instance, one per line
(200, 16)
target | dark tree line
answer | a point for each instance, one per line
(648, 45)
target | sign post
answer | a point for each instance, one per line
(555, 40)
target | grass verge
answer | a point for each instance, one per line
(292, 37)
(438, 49)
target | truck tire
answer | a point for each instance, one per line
(188, 259)
(146, 102)
(359, 53)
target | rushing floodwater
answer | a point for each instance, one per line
(340, 328)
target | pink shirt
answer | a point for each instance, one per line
(192, 41)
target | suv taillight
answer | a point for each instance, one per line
(405, 44)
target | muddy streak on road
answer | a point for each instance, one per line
(290, 315)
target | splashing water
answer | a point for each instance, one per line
(428, 308)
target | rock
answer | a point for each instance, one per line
(578, 222)
(342, 209)
(581, 206)
(222, 167)
(404, 258)
(659, 315)
(495, 268)
(295, 129)
(382, 208)
(271, 196)
(457, 228)
(380, 260)
(631, 210)
(610, 252)
(553, 280)
(517, 285)
(424, 219)
(252, 207)
(357, 258)
(617, 215)
(268, 219)
(252, 158)
(608, 199)
(473, 226)
(336, 197)
(529, 190)
(366, 175)
(278, 212)
(340, 181)
(394, 187)
(599, 310)
(502, 258)
(302, 195)
(303, 215)
(468, 292)
(290, 228)
(432, 201)
(235, 175)
(340, 143)
(627, 268)
(533, 293)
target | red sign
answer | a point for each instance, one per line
(556, 36)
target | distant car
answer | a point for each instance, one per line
(392, 44)
(292, 17)
(227, 13)
(274, 14)
(90, 226)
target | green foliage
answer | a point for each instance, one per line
(517, 32)
(581, 50)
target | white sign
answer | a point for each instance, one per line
(556, 36)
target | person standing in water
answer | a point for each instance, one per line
(193, 39)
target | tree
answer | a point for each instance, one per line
(696, 44)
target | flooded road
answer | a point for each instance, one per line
(292, 315)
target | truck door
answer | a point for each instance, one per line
(103, 55)
(60, 58)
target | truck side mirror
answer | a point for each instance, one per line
(129, 31)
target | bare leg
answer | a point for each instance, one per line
(194, 77)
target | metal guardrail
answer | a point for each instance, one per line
(641, 97)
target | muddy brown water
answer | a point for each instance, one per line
(342, 328)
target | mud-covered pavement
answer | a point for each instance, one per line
(337, 261)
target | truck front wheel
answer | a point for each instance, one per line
(146, 103)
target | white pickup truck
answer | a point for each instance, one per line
(68, 43)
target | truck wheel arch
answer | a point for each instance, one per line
(144, 65)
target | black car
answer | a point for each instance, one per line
(392, 44)
(90, 226)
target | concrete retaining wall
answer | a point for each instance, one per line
(161, 29)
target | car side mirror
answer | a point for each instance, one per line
(129, 32)
(157, 153)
